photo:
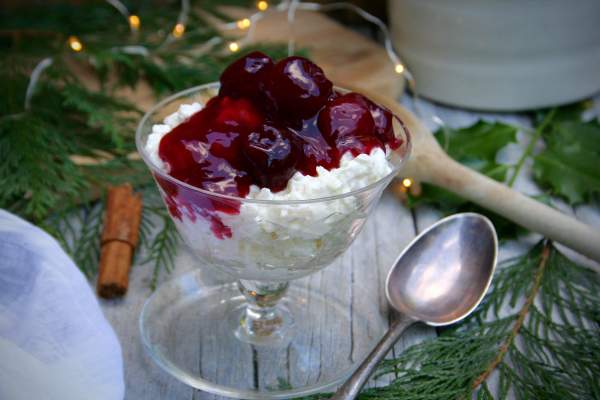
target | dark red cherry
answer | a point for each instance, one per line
(357, 144)
(314, 149)
(169, 194)
(334, 95)
(246, 76)
(383, 124)
(218, 175)
(298, 87)
(344, 116)
(237, 113)
(347, 123)
(227, 146)
(172, 149)
(271, 156)
(204, 150)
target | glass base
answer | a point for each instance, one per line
(275, 335)
(195, 333)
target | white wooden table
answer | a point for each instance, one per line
(388, 231)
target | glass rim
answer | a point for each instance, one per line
(407, 145)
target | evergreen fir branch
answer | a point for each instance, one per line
(508, 342)
(103, 112)
(78, 230)
(161, 250)
(86, 248)
(37, 145)
(36, 172)
(115, 171)
(147, 231)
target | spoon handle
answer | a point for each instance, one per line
(351, 388)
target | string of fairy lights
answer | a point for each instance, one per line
(247, 25)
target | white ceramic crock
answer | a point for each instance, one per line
(500, 55)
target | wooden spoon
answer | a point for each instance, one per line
(429, 163)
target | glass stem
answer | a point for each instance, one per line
(262, 317)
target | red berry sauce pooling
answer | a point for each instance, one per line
(267, 122)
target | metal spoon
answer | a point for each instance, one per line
(438, 279)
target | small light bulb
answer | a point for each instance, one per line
(75, 44)
(134, 22)
(407, 182)
(399, 68)
(262, 5)
(243, 23)
(178, 30)
(233, 47)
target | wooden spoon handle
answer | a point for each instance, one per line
(429, 163)
(523, 210)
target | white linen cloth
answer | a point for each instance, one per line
(55, 344)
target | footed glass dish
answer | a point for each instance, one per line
(191, 327)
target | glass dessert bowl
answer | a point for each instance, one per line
(262, 240)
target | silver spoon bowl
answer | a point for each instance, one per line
(439, 279)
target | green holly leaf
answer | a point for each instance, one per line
(475, 146)
(569, 112)
(569, 163)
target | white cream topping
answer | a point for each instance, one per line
(352, 174)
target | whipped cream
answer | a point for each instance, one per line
(285, 239)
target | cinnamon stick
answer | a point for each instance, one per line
(119, 238)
